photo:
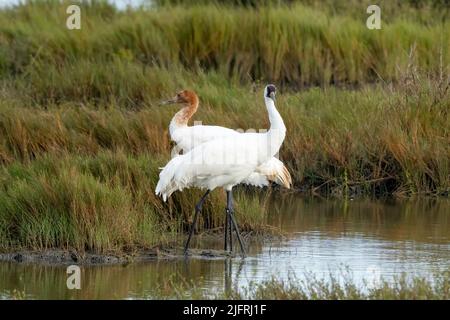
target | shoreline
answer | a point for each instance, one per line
(61, 257)
(65, 257)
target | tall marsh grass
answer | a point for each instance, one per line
(403, 287)
(297, 45)
(101, 203)
(338, 285)
(377, 140)
(82, 136)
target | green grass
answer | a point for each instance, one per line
(376, 140)
(74, 203)
(82, 136)
(296, 46)
(99, 204)
(336, 286)
(403, 287)
(81, 177)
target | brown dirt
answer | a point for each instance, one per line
(66, 257)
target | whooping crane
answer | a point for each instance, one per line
(223, 162)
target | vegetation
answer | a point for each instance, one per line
(98, 204)
(296, 46)
(331, 145)
(337, 286)
(82, 137)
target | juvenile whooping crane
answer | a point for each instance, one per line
(223, 162)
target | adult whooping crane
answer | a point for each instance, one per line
(223, 162)
(187, 137)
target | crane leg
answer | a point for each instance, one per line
(198, 208)
(230, 230)
(225, 246)
(232, 220)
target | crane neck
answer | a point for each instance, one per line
(276, 121)
(182, 117)
(277, 131)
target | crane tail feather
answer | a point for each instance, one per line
(285, 178)
(275, 171)
(168, 183)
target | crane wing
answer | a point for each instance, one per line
(190, 137)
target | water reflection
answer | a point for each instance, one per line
(419, 220)
(372, 238)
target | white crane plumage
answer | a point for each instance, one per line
(188, 137)
(223, 162)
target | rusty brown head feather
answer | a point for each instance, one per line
(189, 100)
(188, 97)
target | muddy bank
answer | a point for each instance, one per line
(132, 255)
(68, 257)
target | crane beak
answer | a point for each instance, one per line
(272, 95)
(170, 101)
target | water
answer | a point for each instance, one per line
(370, 238)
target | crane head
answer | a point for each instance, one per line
(270, 91)
(182, 97)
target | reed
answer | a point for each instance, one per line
(343, 287)
(296, 46)
(100, 204)
(337, 285)
(376, 140)
(82, 136)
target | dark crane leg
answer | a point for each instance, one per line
(198, 208)
(230, 224)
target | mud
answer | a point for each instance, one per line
(68, 257)
(170, 252)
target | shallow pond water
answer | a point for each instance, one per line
(370, 238)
